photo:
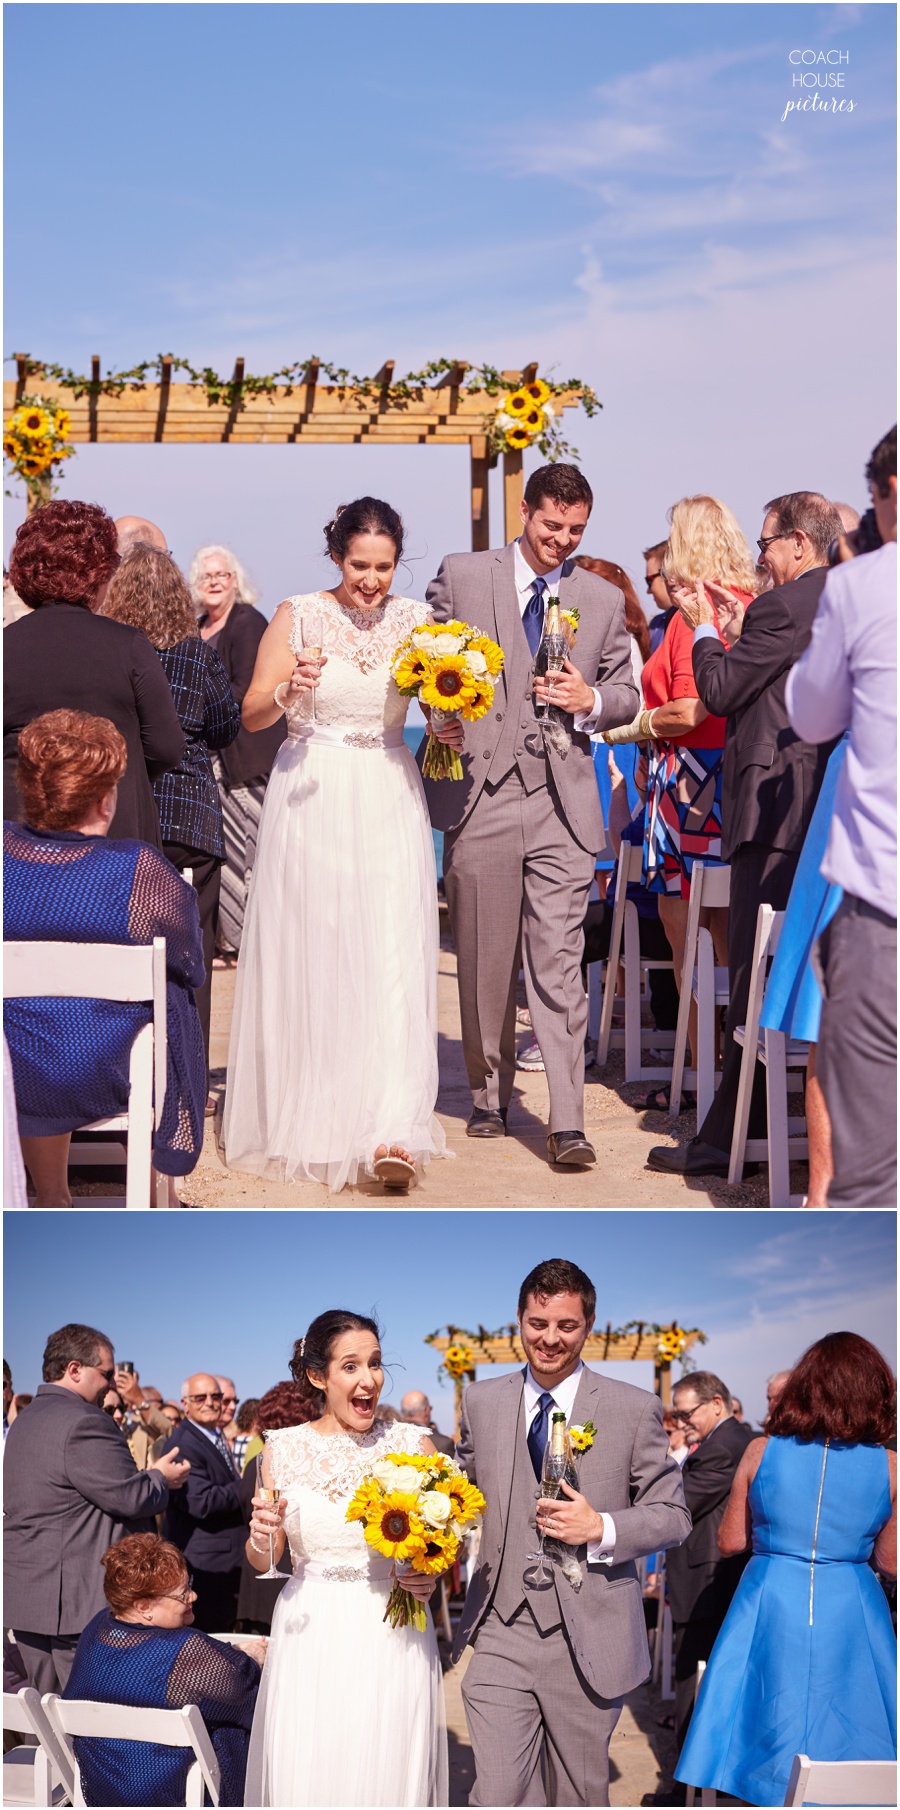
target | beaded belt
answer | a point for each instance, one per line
(325, 737)
(346, 1574)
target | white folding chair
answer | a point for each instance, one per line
(33, 1775)
(778, 1055)
(118, 1722)
(842, 1781)
(113, 971)
(625, 933)
(702, 981)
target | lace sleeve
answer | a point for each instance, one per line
(408, 1438)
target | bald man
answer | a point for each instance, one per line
(134, 530)
(209, 1526)
(416, 1408)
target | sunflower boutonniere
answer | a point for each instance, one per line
(581, 1438)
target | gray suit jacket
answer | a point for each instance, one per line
(479, 588)
(70, 1489)
(627, 1472)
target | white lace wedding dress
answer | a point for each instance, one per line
(350, 1710)
(334, 1030)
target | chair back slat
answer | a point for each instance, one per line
(24, 1714)
(118, 1721)
(842, 1781)
(78, 971)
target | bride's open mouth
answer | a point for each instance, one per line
(363, 1405)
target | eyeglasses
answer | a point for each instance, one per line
(651, 578)
(177, 1596)
(208, 1395)
(110, 1375)
(767, 542)
(680, 1414)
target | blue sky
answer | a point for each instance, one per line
(609, 189)
(233, 1292)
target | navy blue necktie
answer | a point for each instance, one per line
(539, 1429)
(533, 616)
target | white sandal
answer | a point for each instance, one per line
(394, 1171)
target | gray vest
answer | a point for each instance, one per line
(519, 721)
(522, 1538)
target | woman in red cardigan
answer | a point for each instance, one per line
(684, 796)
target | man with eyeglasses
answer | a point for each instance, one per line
(699, 1581)
(206, 1522)
(230, 1399)
(659, 593)
(770, 778)
(71, 1490)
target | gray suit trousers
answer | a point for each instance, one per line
(517, 888)
(857, 1054)
(526, 1702)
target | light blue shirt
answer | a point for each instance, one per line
(847, 679)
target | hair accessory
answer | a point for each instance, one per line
(302, 1345)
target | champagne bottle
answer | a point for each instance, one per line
(558, 1438)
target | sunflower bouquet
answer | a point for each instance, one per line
(34, 441)
(416, 1508)
(450, 667)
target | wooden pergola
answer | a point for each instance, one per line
(308, 413)
(638, 1346)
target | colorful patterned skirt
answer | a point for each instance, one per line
(684, 816)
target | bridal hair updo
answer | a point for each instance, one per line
(368, 515)
(314, 1352)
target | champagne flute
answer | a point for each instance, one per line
(555, 649)
(312, 632)
(270, 1496)
(554, 1473)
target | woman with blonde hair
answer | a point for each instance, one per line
(148, 592)
(706, 548)
(232, 625)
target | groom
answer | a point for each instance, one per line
(544, 1688)
(522, 827)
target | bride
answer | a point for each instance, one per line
(332, 1067)
(350, 1710)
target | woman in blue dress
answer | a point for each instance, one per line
(793, 1001)
(66, 881)
(806, 1661)
(142, 1651)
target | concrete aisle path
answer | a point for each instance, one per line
(506, 1173)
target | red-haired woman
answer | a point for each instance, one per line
(62, 656)
(66, 880)
(806, 1661)
(143, 1651)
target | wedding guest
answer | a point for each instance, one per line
(684, 800)
(70, 1487)
(770, 778)
(173, 1413)
(135, 531)
(142, 1650)
(774, 1392)
(66, 656)
(148, 593)
(146, 1420)
(245, 1421)
(227, 1423)
(700, 1582)
(113, 1405)
(231, 625)
(659, 592)
(66, 880)
(416, 1409)
(807, 1659)
(674, 1427)
(206, 1521)
(847, 681)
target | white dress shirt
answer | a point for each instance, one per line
(587, 722)
(599, 1552)
(847, 679)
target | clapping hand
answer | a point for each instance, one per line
(569, 1518)
(694, 604)
(173, 1468)
(729, 612)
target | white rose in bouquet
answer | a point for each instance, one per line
(403, 1477)
(445, 644)
(435, 1508)
(477, 662)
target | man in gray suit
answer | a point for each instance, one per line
(544, 1688)
(524, 824)
(71, 1489)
